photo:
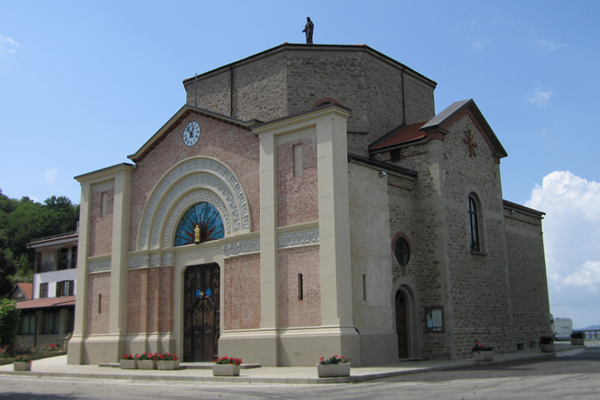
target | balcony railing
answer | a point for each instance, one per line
(47, 267)
(53, 236)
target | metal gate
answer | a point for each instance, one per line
(201, 313)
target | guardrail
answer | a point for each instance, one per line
(593, 334)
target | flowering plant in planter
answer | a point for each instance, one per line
(578, 335)
(129, 357)
(334, 360)
(480, 347)
(167, 357)
(147, 356)
(24, 359)
(228, 360)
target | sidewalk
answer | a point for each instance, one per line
(201, 372)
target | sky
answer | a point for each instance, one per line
(84, 84)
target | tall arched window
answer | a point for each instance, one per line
(200, 223)
(474, 224)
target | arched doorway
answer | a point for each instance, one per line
(402, 324)
(201, 313)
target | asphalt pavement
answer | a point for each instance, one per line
(253, 373)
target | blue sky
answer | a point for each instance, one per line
(84, 84)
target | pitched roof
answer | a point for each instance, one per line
(400, 135)
(22, 291)
(440, 123)
(47, 302)
(178, 117)
(27, 289)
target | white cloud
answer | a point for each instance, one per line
(7, 45)
(588, 276)
(50, 175)
(551, 46)
(571, 230)
(540, 96)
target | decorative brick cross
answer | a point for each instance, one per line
(470, 142)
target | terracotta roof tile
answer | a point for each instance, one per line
(27, 289)
(404, 134)
(47, 302)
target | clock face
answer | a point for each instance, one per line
(191, 133)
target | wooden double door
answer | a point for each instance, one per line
(201, 313)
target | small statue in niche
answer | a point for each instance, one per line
(308, 30)
(197, 234)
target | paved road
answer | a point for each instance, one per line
(574, 375)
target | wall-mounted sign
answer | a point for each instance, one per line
(435, 319)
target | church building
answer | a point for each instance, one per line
(308, 201)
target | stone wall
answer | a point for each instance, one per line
(478, 282)
(291, 79)
(527, 272)
(370, 249)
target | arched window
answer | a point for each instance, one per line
(402, 251)
(474, 224)
(401, 248)
(200, 223)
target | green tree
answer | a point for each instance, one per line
(23, 220)
(9, 322)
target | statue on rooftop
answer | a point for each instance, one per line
(308, 30)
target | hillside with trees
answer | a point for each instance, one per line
(23, 220)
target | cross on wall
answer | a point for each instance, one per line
(470, 142)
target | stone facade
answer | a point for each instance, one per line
(352, 220)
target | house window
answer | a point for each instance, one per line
(298, 162)
(27, 326)
(474, 224)
(64, 259)
(395, 155)
(43, 290)
(73, 263)
(65, 288)
(51, 321)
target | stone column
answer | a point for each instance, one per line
(75, 351)
(119, 263)
(268, 249)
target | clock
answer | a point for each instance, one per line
(191, 133)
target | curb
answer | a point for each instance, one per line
(265, 380)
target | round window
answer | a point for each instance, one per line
(402, 251)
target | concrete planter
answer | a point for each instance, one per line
(333, 370)
(167, 364)
(484, 356)
(547, 348)
(225, 370)
(147, 364)
(22, 366)
(128, 364)
(577, 342)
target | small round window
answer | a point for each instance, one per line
(402, 251)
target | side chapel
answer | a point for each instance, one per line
(308, 201)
